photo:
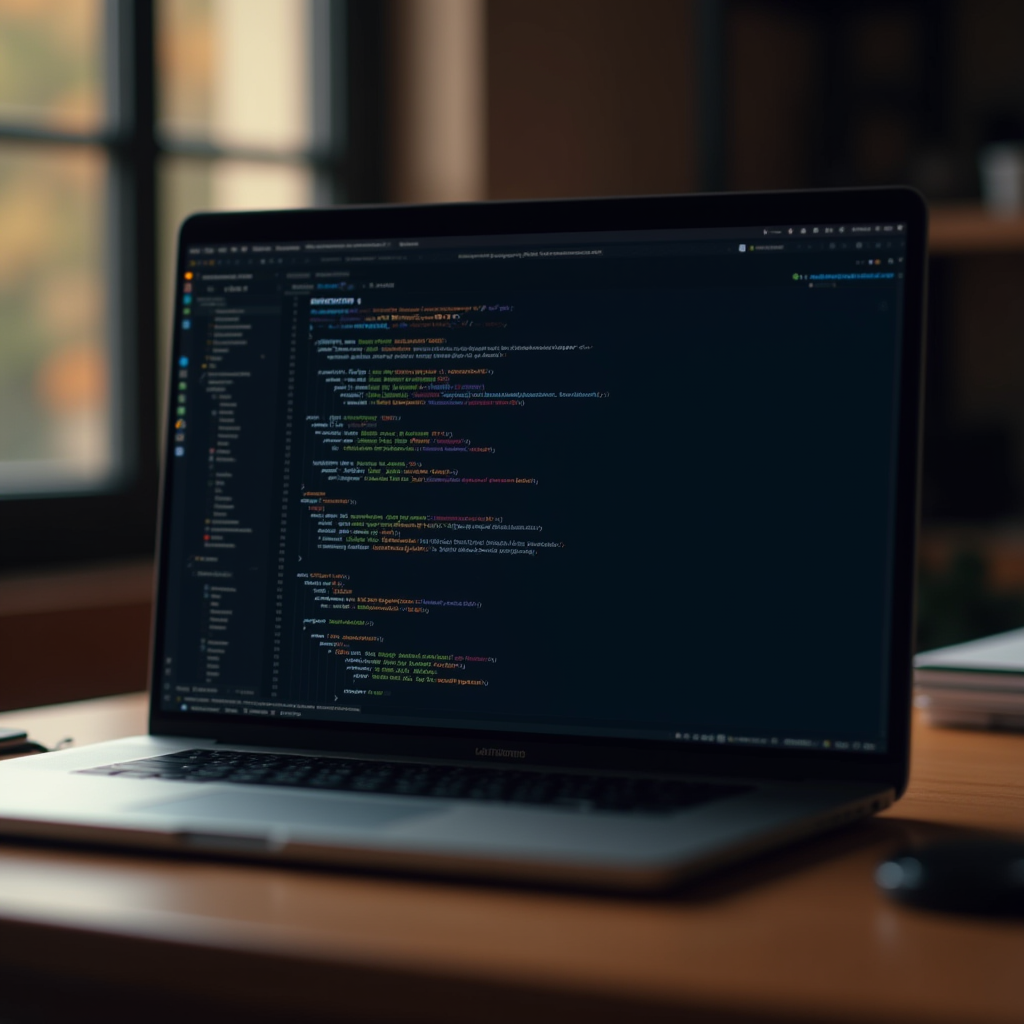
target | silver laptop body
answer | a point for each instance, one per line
(576, 536)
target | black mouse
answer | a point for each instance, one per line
(981, 876)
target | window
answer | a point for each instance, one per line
(56, 419)
(117, 119)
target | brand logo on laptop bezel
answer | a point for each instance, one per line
(499, 752)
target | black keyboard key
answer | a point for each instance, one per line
(552, 789)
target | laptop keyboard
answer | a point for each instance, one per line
(579, 792)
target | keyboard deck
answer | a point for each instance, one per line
(557, 789)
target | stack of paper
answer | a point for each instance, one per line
(979, 683)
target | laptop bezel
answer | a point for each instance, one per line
(890, 767)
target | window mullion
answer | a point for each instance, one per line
(328, 91)
(132, 240)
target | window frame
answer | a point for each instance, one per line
(346, 155)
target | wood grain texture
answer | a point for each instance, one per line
(798, 936)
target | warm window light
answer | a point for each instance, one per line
(56, 432)
(235, 73)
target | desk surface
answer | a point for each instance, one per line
(801, 935)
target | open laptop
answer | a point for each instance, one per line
(563, 541)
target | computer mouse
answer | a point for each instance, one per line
(979, 875)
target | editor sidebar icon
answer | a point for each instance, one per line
(179, 422)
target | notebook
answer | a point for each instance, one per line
(979, 683)
(568, 541)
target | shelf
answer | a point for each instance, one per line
(962, 228)
(1001, 548)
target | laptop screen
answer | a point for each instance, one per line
(624, 484)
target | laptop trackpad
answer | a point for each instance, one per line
(292, 809)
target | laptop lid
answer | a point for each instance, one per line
(624, 483)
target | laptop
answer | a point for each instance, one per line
(565, 542)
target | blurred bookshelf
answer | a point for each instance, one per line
(971, 582)
(972, 539)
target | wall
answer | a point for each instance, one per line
(74, 633)
(590, 97)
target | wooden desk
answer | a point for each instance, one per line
(800, 936)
